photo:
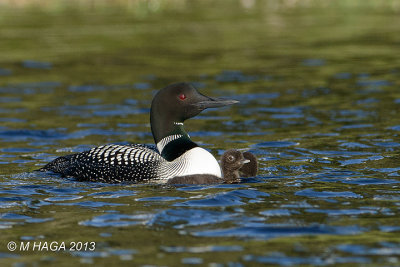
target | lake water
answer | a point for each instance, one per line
(319, 92)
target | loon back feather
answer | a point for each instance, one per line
(109, 163)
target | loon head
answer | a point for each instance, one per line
(231, 161)
(174, 104)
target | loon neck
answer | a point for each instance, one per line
(175, 143)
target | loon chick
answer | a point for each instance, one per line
(177, 154)
(231, 162)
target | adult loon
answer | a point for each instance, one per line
(233, 164)
(177, 154)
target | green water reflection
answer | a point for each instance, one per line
(323, 79)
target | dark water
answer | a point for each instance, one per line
(319, 99)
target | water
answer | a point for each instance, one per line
(318, 90)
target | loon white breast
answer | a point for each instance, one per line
(176, 154)
(233, 163)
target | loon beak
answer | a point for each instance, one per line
(245, 161)
(215, 103)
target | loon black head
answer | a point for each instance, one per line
(176, 103)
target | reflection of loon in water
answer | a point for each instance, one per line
(177, 154)
(233, 163)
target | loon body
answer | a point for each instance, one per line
(232, 163)
(176, 153)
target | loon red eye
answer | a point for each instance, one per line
(182, 96)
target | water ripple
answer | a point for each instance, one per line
(116, 220)
(266, 231)
(231, 198)
(327, 194)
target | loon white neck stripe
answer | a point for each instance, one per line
(166, 140)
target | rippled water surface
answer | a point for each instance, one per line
(319, 96)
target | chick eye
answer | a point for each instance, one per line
(231, 158)
(182, 96)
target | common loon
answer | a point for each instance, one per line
(177, 154)
(232, 162)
